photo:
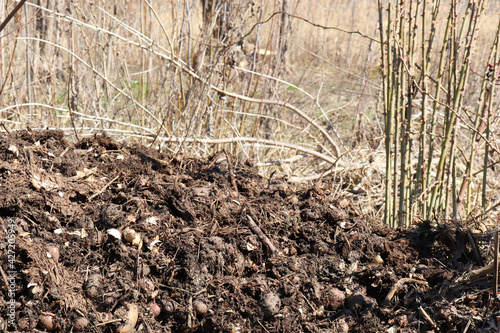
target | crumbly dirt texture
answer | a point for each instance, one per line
(124, 239)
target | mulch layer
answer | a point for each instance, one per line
(100, 237)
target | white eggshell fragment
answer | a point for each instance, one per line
(115, 233)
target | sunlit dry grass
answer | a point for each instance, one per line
(149, 72)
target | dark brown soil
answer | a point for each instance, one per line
(194, 261)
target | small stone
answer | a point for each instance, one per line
(80, 324)
(201, 191)
(133, 237)
(155, 309)
(355, 302)
(46, 322)
(335, 298)
(147, 284)
(93, 286)
(447, 312)
(271, 303)
(26, 325)
(129, 313)
(199, 308)
(53, 252)
(321, 248)
(341, 326)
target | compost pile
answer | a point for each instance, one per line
(111, 238)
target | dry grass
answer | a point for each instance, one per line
(156, 73)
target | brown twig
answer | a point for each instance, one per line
(400, 283)
(428, 318)
(9, 68)
(357, 32)
(137, 269)
(274, 143)
(467, 326)
(103, 189)
(11, 14)
(490, 268)
(495, 264)
(71, 103)
(475, 249)
(255, 228)
(109, 322)
(5, 127)
(231, 171)
(4, 276)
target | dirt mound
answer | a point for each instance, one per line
(122, 239)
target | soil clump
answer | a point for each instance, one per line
(111, 238)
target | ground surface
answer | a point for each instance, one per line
(200, 260)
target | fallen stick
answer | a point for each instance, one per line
(4, 276)
(256, 230)
(427, 317)
(231, 171)
(467, 326)
(490, 268)
(399, 284)
(103, 189)
(11, 15)
(495, 265)
(260, 141)
(475, 249)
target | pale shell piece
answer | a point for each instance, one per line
(13, 149)
(75, 233)
(378, 259)
(129, 314)
(115, 233)
(152, 220)
(84, 233)
(152, 244)
(133, 237)
(250, 247)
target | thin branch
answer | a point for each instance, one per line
(252, 140)
(264, 239)
(400, 283)
(12, 14)
(98, 74)
(356, 32)
(82, 115)
(152, 47)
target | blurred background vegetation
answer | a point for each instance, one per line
(301, 88)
